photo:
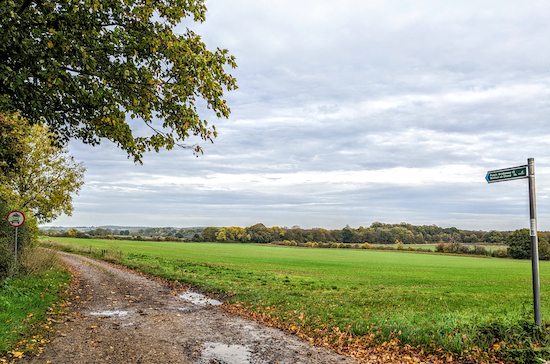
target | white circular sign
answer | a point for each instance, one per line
(16, 218)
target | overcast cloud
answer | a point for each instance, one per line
(350, 113)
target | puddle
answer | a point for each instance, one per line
(230, 354)
(199, 299)
(109, 313)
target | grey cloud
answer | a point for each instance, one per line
(352, 87)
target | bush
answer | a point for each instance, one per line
(500, 253)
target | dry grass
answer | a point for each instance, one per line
(36, 260)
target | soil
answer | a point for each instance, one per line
(119, 316)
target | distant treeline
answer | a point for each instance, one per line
(376, 233)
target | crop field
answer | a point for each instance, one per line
(437, 302)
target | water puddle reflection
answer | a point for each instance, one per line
(109, 313)
(199, 299)
(230, 354)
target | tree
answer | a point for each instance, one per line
(347, 235)
(46, 178)
(209, 234)
(84, 67)
(259, 233)
(519, 245)
(233, 234)
(494, 237)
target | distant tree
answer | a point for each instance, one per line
(519, 245)
(73, 233)
(259, 234)
(233, 234)
(544, 248)
(402, 234)
(347, 235)
(209, 234)
(494, 237)
(319, 235)
(100, 232)
(336, 236)
(277, 233)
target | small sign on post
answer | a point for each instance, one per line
(16, 219)
(527, 171)
(506, 174)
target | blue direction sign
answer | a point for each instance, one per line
(507, 174)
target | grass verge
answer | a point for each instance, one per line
(27, 302)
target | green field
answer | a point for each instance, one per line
(435, 301)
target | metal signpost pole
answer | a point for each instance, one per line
(520, 172)
(16, 246)
(534, 241)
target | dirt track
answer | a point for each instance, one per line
(120, 317)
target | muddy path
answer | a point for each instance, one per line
(117, 316)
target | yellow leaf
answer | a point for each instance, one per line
(50, 45)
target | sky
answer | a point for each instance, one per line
(348, 113)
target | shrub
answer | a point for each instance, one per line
(500, 253)
(480, 250)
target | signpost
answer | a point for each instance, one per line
(507, 174)
(16, 219)
(527, 171)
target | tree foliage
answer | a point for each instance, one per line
(84, 67)
(519, 245)
(233, 234)
(11, 143)
(46, 176)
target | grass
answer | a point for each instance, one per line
(26, 300)
(453, 303)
